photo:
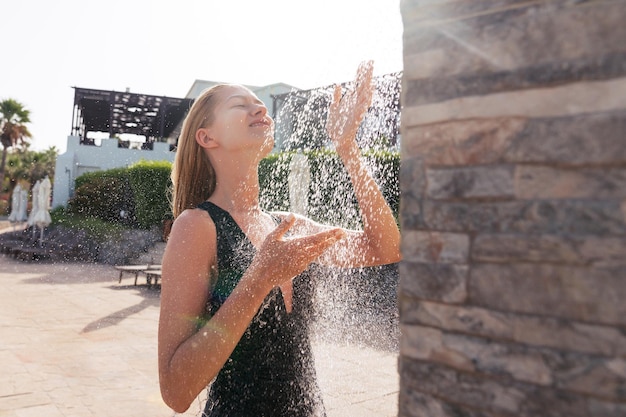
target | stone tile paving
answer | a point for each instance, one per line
(75, 343)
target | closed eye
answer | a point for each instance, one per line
(239, 100)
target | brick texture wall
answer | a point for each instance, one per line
(512, 287)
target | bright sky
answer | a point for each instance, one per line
(160, 47)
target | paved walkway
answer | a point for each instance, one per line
(74, 342)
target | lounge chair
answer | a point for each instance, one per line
(136, 269)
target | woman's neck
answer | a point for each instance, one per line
(237, 190)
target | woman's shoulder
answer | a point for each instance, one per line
(193, 222)
(194, 215)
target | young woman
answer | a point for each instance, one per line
(236, 287)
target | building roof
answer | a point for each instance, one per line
(154, 117)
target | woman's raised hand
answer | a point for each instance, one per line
(281, 258)
(346, 113)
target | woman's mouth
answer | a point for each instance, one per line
(260, 122)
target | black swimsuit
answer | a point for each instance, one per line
(271, 371)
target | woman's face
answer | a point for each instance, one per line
(241, 121)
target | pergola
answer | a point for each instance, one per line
(154, 117)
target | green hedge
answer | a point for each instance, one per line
(273, 181)
(140, 192)
(150, 182)
(331, 198)
(104, 195)
(142, 189)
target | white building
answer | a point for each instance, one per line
(79, 159)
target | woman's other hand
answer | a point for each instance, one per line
(346, 113)
(282, 258)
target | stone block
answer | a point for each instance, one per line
(482, 182)
(468, 319)
(467, 353)
(495, 395)
(473, 354)
(461, 142)
(585, 139)
(543, 182)
(426, 343)
(606, 409)
(582, 140)
(487, 36)
(411, 212)
(440, 88)
(527, 329)
(598, 377)
(413, 403)
(604, 251)
(532, 248)
(435, 247)
(569, 217)
(431, 281)
(594, 295)
(576, 250)
(589, 374)
(555, 101)
(413, 176)
(418, 13)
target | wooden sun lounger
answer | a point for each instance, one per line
(32, 254)
(153, 274)
(13, 247)
(136, 269)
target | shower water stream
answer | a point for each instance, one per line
(353, 306)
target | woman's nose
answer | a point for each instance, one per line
(259, 109)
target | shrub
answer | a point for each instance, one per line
(274, 181)
(331, 197)
(150, 182)
(139, 192)
(94, 227)
(104, 195)
(143, 189)
(386, 171)
(96, 240)
(57, 214)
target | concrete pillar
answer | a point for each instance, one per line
(512, 287)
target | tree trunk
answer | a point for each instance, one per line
(2, 165)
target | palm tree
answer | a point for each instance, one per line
(13, 130)
(27, 165)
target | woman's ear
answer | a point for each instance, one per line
(204, 139)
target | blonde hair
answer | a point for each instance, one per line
(193, 176)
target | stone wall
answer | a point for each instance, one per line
(512, 289)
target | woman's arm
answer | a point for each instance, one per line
(379, 242)
(191, 355)
(189, 358)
